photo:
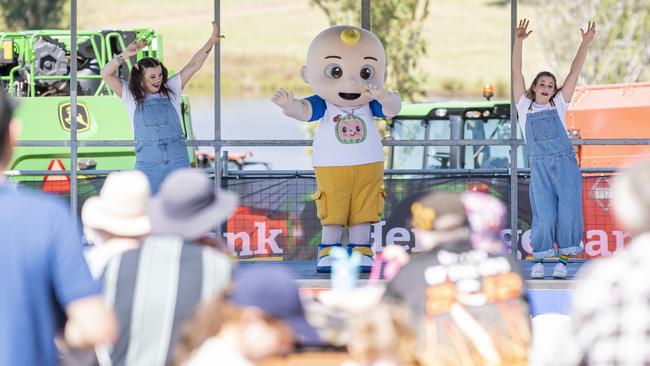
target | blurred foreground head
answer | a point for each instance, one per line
(7, 129)
(263, 316)
(487, 217)
(438, 218)
(632, 198)
(274, 291)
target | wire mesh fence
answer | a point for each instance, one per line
(276, 218)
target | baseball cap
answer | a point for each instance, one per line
(439, 211)
(273, 290)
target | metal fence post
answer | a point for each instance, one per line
(514, 192)
(73, 109)
(216, 143)
(365, 15)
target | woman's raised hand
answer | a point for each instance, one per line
(134, 47)
(215, 37)
(521, 32)
(588, 36)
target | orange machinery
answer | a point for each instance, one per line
(617, 111)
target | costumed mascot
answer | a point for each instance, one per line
(346, 70)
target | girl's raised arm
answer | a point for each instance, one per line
(576, 66)
(518, 83)
(199, 57)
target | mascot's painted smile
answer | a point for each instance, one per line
(349, 96)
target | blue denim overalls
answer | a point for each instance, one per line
(555, 186)
(159, 142)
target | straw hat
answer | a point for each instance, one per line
(121, 207)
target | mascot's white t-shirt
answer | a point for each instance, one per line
(346, 135)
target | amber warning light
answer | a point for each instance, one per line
(488, 91)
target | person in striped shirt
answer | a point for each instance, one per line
(156, 287)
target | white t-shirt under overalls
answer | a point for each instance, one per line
(173, 84)
(525, 106)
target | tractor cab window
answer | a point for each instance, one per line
(419, 157)
(488, 157)
(438, 157)
(461, 124)
(408, 157)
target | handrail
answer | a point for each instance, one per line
(294, 143)
(287, 172)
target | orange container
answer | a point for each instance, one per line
(615, 111)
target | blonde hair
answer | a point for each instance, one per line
(207, 321)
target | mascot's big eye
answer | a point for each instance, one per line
(358, 129)
(334, 71)
(367, 72)
(344, 129)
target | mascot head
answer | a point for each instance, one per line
(341, 60)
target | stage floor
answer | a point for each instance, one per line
(307, 277)
(545, 296)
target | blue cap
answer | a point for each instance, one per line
(272, 289)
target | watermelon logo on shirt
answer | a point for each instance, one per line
(350, 129)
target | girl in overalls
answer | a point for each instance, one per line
(555, 179)
(152, 101)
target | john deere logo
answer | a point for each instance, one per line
(65, 117)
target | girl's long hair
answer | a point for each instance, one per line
(137, 77)
(530, 94)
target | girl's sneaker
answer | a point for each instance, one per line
(559, 271)
(537, 272)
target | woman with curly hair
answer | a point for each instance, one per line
(152, 100)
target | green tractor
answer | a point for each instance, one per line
(35, 68)
(465, 120)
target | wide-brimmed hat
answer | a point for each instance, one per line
(121, 207)
(273, 290)
(187, 205)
